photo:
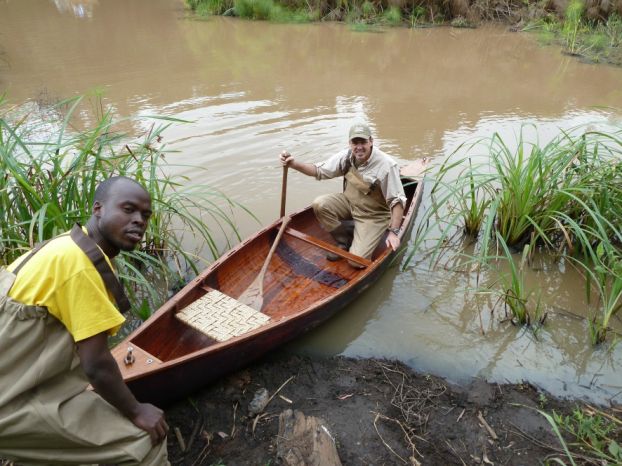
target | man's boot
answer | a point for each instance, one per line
(343, 237)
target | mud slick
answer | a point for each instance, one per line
(378, 412)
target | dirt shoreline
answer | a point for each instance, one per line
(379, 413)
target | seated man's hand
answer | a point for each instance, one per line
(151, 419)
(392, 241)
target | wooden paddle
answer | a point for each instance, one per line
(283, 191)
(253, 295)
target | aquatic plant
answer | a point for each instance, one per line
(514, 292)
(606, 276)
(564, 197)
(48, 175)
(532, 182)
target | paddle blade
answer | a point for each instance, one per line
(253, 295)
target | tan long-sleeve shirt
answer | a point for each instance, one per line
(381, 169)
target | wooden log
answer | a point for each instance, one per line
(305, 441)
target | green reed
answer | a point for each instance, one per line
(515, 294)
(564, 197)
(572, 25)
(607, 277)
(476, 202)
(48, 175)
(531, 182)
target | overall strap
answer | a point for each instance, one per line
(346, 167)
(35, 250)
(90, 248)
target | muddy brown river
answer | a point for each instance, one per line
(252, 89)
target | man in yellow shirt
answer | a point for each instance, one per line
(56, 312)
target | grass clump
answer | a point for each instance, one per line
(48, 175)
(598, 41)
(363, 15)
(516, 295)
(587, 436)
(256, 9)
(210, 7)
(263, 10)
(393, 16)
(572, 24)
(563, 199)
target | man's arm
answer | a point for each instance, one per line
(397, 213)
(307, 168)
(105, 377)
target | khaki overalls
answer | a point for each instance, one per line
(47, 416)
(362, 202)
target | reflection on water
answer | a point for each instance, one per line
(79, 8)
(250, 89)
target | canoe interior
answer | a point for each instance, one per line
(298, 277)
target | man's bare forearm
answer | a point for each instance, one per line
(306, 168)
(104, 375)
(397, 214)
(303, 167)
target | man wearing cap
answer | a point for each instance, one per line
(373, 196)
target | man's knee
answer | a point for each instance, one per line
(157, 456)
(321, 204)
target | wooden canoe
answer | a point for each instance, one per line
(204, 332)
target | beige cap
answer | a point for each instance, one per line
(359, 130)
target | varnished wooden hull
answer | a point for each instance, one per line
(302, 289)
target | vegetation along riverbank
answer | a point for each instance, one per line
(49, 171)
(588, 29)
(497, 206)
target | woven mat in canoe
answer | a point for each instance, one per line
(221, 317)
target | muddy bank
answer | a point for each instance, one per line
(378, 412)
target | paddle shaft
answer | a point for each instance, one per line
(283, 191)
(284, 223)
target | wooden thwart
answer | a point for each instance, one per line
(328, 247)
(221, 317)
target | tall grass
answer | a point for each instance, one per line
(48, 175)
(530, 186)
(599, 41)
(515, 293)
(572, 24)
(564, 198)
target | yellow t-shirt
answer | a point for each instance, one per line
(63, 279)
